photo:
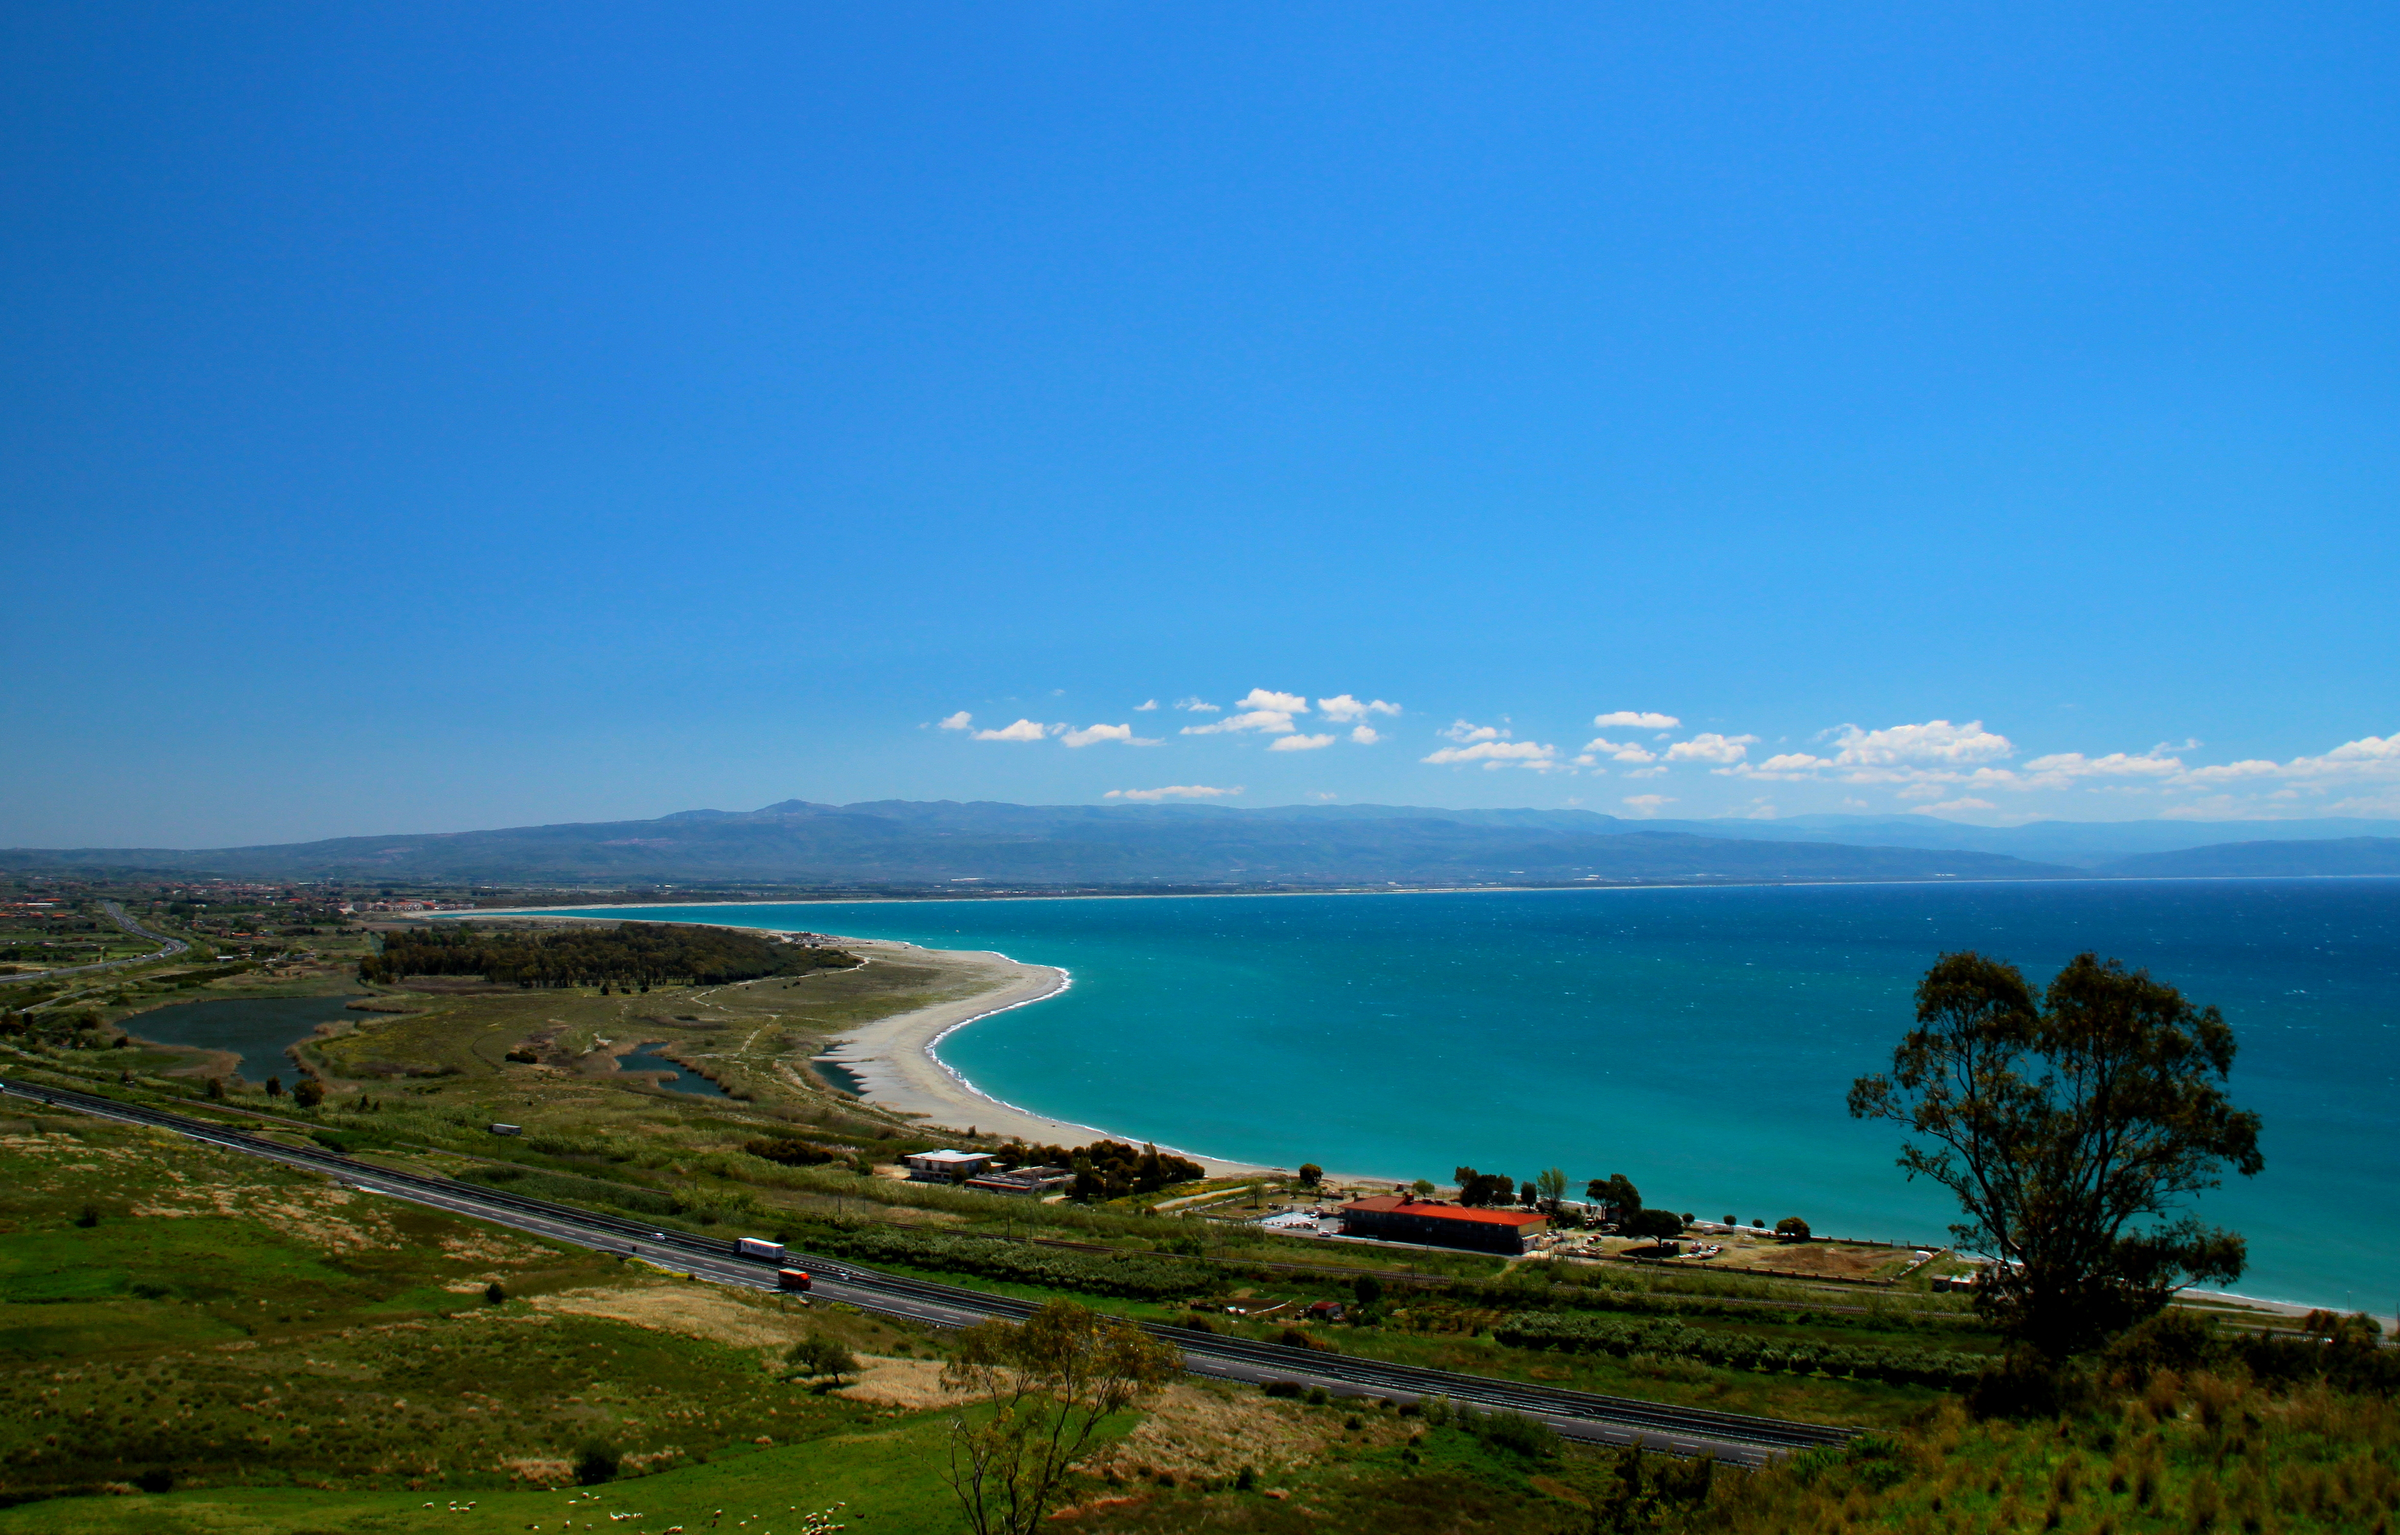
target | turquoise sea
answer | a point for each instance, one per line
(1699, 1041)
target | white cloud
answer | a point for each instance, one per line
(1936, 742)
(1171, 791)
(1344, 709)
(1635, 719)
(959, 721)
(1626, 751)
(1933, 752)
(1265, 701)
(1648, 772)
(1708, 746)
(1967, 803)
(1365, 735)
(1195, 706)
(1261, 711)
(1092, 734)
(1022, 730)
(1146, 706)
(1300, 743)
(2366, 759)
(2060, 769)
(1647, 804)
(1460, 730)
(1493, 754)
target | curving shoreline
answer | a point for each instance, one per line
(898, 1067)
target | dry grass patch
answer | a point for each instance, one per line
(690, 1310)
(1208, 1433)
(912, 1384)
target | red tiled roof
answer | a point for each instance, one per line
(1434, 1209)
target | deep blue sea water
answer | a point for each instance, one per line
(1699, 1041)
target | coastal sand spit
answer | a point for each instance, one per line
(893, 1058)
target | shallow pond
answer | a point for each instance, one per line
(258, 1029)
(677, 1079)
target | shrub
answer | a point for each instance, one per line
(788, 1152)
(1652, 1223)
(1513, 1432)
(1792, 1229)
(1282, 1388)
(821, 1356)
(596, 1463)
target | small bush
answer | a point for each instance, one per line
(1518, 1434)
(1283, 1388)
(596, 1463)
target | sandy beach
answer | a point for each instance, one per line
(896, 1067)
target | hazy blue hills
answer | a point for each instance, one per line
(2253, 860)
(945, 842)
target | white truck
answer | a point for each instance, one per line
(759, 1247)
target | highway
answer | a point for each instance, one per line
(117, 915)
(1732, 1438)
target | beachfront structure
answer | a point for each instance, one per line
(947, 1166)
(1033, 1181)
(1398, 1218)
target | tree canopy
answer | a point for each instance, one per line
(641, 954)
(1614, 1193)
(1107, 1169)
(1478, 1189)
(2070, 1128)
(1052, 1381)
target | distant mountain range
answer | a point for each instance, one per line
(890, 843)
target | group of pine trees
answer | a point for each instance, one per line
(631, 956)
(1107, 1169)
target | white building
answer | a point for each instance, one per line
(947, 1166)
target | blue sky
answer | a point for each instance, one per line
(417, 418)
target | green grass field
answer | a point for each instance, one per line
(294, 1356)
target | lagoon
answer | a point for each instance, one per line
(258, 1029)
(1698, 1040)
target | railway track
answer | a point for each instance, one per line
(1734, 1438)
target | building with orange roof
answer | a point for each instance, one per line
(1436, 1223)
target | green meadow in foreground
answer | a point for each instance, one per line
(192, 1339)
